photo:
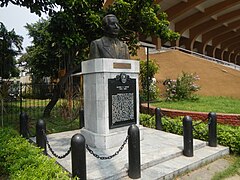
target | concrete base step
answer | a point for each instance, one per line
(161, 156)
(179, 165)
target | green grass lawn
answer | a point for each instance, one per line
(204, 104)
(233, 169)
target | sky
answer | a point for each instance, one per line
(16, 17)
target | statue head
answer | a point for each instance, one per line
(110, 25)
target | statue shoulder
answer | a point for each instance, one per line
(96, 41)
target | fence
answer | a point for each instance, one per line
(33, 98)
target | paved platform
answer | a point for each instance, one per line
(161, 156)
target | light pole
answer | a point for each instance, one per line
(147, 45)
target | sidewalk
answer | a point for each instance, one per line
(208, 171)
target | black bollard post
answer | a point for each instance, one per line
(81, 118)
(78, 156)
(40, 136)
(134, 161)
(187, 136)
(24, 125)
(212, 129)
(158, 119)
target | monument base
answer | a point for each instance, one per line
(114, 138)
(111, 100)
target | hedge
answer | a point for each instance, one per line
(226, 135)
(20, 160)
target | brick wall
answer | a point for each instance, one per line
(230, 119)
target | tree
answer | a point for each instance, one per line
(65, 37)
(11, 46)
(41, 57)
(141, 17)
(35, 6)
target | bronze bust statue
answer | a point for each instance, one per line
(109, 46)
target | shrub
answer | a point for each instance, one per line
(226, 135)
(183, 88)
(147, 120)
(152, 70)
(21, 160)
(229, 136)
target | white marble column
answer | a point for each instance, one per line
(96, 73)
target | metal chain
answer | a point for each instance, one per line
(50, 148)
(29, 134)
(175, 125)
(201, 133)
(193, 126)
(209, 120)
(107, 157)
(201, 122)
(151, 117)
(198, 123)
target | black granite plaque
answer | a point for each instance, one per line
(122, 101)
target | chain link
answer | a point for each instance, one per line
(172, 123)
(203, 121)
(107, 157)
(50, 148)
(209, 120)
(29, 133)
(198, 132)
(193, 126)
(202, 132)
(151, 117)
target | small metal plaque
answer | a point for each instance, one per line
(121, 65)
(122, 101)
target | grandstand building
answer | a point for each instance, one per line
(208, 27)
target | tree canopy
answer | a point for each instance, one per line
(11, 46)
(141, 17)
(41, 57)
(35, 6)
(63, 40)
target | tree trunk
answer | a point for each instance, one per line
(56, 93)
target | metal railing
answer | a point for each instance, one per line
(33, 98)
(212, 59)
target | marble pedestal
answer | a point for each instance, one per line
(96, 73)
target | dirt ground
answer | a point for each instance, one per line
(215, 79)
